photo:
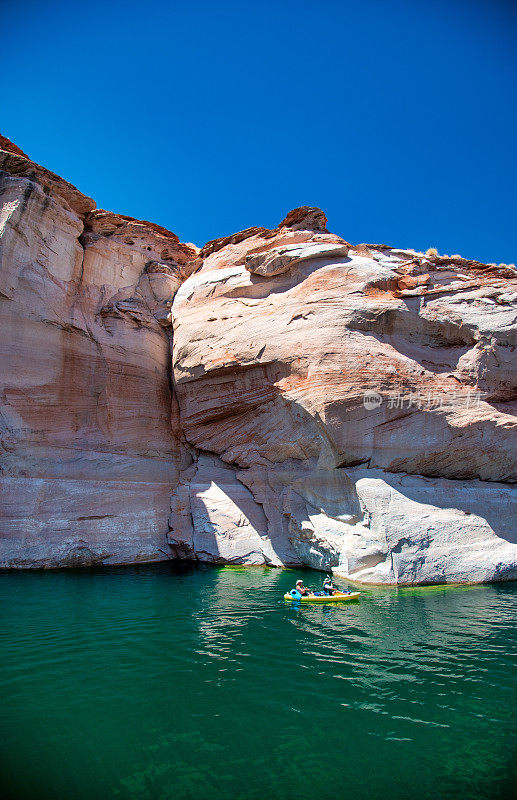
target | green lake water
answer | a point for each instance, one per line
(170, 683)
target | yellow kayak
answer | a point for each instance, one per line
(339, 597)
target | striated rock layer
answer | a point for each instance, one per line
(330, 405)
(89, 446)
(364, 397)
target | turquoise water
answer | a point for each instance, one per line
(155, 682)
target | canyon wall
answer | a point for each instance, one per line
(330, 405)
(89, 445)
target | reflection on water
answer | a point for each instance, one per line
(160, 682)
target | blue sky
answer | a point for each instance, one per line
(397, 117)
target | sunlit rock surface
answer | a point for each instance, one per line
(363, 395)
(89, 432)
(339, 406)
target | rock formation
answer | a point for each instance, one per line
(89, 446)
(338, 406)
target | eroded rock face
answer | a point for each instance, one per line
(364, 396)
(339, 406)
(89, 431)
(281, 259)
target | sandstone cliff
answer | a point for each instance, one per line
(331, 405)
(89, 431)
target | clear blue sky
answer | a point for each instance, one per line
(397, 117)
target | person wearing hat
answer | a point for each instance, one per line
(328, 586)
(301, 588)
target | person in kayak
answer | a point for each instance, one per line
(328, 586)
(302, 589)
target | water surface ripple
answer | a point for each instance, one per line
(166, 682)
